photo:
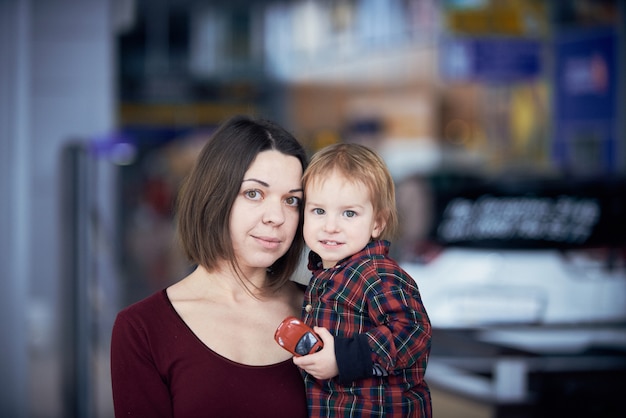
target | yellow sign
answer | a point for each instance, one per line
(515, 20)
(178, 114)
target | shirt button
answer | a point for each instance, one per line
(308, 308)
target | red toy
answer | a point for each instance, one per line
(297, 337)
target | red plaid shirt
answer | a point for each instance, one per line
(368, 294)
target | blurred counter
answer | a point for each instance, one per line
(525, 333)
(469, 287)
(532, 371)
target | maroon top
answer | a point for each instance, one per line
(159, 368)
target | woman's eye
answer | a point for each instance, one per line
(350, 213)
(253, 194)
(318, 211)
(293, 201)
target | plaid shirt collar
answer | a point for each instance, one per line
(378, 248)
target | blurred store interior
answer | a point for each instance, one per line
(501, 120)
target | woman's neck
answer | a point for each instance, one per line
(228, 284)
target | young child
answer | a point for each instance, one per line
(365, 308)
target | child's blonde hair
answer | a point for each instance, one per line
(358, 164)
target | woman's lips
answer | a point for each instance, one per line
(269, 242)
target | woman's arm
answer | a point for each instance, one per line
(138, 388)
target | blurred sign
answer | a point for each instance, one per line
(562, 219)
(490, 60)
(585, 91)
(531, 214)
(491, 20)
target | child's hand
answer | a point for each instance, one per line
(323, 364)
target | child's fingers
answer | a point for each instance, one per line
(325, 335)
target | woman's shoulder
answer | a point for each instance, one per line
(149, 306)
(294, 294)
(296, 287)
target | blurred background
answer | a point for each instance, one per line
(502, 123)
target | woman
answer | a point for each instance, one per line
(204, 346)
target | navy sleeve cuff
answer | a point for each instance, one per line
(354, 359)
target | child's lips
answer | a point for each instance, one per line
(329, 243)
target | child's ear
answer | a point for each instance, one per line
(379, 226)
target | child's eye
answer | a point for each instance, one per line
(318, 211)
(253, 194)
(293, 201)
(349, 213)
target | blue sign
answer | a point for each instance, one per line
(585, 101)
(490, 59)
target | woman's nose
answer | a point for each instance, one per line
(274, 213)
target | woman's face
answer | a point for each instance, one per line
(265, 214)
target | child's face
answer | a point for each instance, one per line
(339, 218)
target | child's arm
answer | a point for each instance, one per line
(323, 364)
(353, 354)
(403, 331)
(401, 335)
(394, 345)
(400, 338)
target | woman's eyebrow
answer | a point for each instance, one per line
(261, 182)
(265, 184)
